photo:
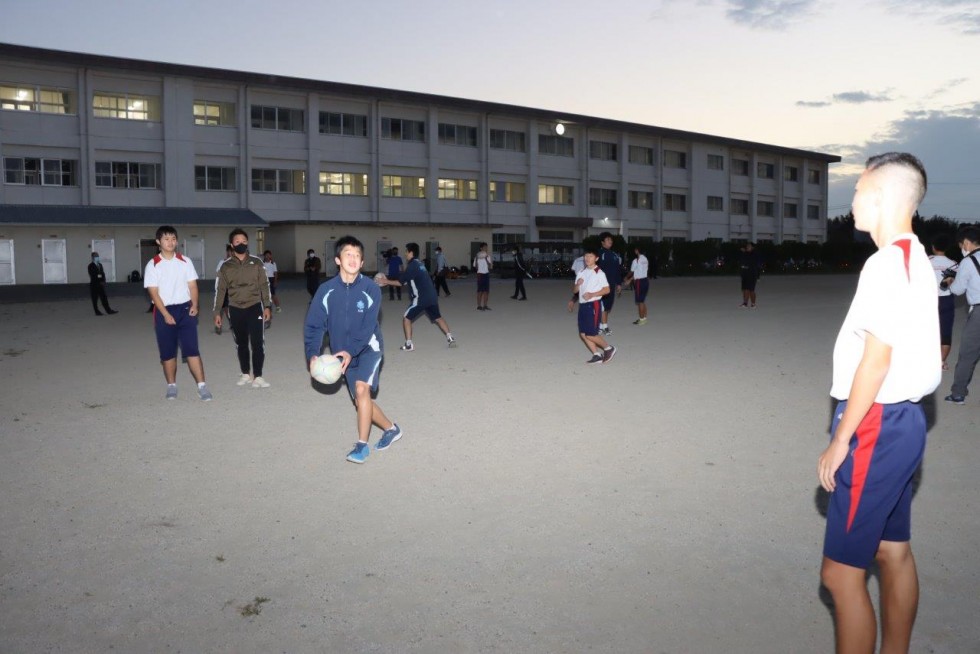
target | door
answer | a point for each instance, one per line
(430, 255)
(383, 247)
(54, 262)
(107, 256)
(329, 256)
(7, 271)
(194, 250)
(148, 250)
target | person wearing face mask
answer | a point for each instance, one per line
(96, 286)
(249, 300)
(967, 281)
(312, 267)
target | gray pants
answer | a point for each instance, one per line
(969, 352)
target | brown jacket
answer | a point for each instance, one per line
(245, 282)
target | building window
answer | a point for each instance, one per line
(218, 114)
(765, 170)
(125, 106)
(555, 235)
(675, 202)
(340, 124)
(505, 139)
(791, 173)
(716, 162)
(603, 150)
(450, 134)
(764, 208)
(739, 206)
(273, 180)
(343, 184)
(602, 197)
(508, 192)
(789, 210)
(215, 178)
(561, 146)
(740, 167)
(641, 200)
(127, 174)
(555, 194)
(507, 238)
(716, 203)
(400, 129)
(396, 186)
(813, 211)
(456, 189)
(813, 176)
(641, 155)
(282, 119)
(31, 171)
(36, 98)
(675, 159)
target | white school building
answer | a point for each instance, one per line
(95, 148)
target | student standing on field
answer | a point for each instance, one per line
(639, 272)
(947, 302)
(589, 288)
(886, 359)
(272, 272)
(96, 286)
(442, 269)
(171, 281)
(612, 265)
(346, 308)
(520, 272)
(482, 264)
(394, 271)
(243, 277)
(311, 268)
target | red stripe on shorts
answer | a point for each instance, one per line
(867, 436)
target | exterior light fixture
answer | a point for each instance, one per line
(559, 129)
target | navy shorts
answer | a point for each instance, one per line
(608, 299)
(432, 310)
(748, 281)
(184, 332)
(365, 367)
(483, 282)
(272, 287)
(872, 501)
(589, 314)
(947, 311)
(640, 289)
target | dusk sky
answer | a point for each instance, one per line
(851, 78)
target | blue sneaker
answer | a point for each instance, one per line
(389, 437)
(359, 453)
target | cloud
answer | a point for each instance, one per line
(860, 97)
(812, 103)
(962, 15)
(948, 86)
(768, 14)
(945, 140)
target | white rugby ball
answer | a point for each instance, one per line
(326, 369)
(380, 278)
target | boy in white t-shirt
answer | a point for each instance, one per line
(947, 302)
(272, 272)
(590, 286)
(639, 273)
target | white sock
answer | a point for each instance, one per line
(201, 384)
(174, 384)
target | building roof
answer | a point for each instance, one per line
(25, 214)
(60, 57)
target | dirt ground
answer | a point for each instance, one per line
(664, 502)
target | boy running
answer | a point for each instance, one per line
(171, 281)
(639, 271)
(590, 286)
(885, 360)
(423, 293)
(346, 307)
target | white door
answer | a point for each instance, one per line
(194, 250)
(329, 258)
(107, 256)
(55, 263)
(7, 275)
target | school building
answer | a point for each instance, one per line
(99, 151)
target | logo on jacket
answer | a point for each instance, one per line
(360, 306)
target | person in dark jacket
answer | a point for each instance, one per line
(749, 268)
(96, 286)
(520, 272)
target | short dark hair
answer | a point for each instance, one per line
(165, 229)
(235, 232)
(591, 249)
(904, 160)
(345, 241)
(604, 235)
(971, 232)
(413, 248)
(267, 252)
(438, 249)
(940, 242)
(393, 250)
(483, 244)
(95, 254)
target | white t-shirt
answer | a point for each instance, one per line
(270, 269)
(482, 263)
(640, 267)
(593, 279)
(170, 277)
(939, 264)
(896, 301)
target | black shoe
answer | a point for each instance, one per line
(487, 309)
(523, 299)
(480, 309)
(111, 311)
(99, 313)
(513, 297)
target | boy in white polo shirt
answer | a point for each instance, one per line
(639, 272)
(171, 281)
(590, 286)
(885, 360)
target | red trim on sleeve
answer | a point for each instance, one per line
(157, 259)
(906, 246)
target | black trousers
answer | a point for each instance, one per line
(393, 290)
(441, 283)
(519, 285)
(248, 327)
(97, 292)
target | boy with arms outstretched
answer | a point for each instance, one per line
(423, 294)
(885, 360)
(346, 307)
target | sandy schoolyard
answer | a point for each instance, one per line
(664, 502)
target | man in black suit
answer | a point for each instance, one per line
(96, 286)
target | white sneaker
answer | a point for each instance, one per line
(278, 309)
(260, 383)
(246, 379)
